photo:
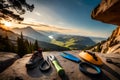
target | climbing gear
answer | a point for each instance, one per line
(84, 70)
(56, 64)
(44, 65)
(91, 58)
(82, 65)
(70, 57)
(34, 60)
(112, 62)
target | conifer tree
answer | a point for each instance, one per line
(11, 10)
(27, 46)
(31, 47)
(1, 43)
(36, 46)
(21, 46)
(7, 47)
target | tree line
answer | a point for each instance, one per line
(21, 46)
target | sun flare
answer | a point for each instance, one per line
(8, 24)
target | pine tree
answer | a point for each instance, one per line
(13, 48)
(31, 47)
(11, 10)
(6, 44)
(27, 46)
(7, 47)
(1, 43)
(21, 46)
(36, 46)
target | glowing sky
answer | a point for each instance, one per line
(74, 16)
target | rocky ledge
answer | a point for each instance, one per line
(18, 71)
(7, 59)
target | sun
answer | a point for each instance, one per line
(8, 24)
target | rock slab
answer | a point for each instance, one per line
(7, 59)
(18, 70)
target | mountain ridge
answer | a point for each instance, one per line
(78, 42)
(30, 32)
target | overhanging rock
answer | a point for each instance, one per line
(107, 11)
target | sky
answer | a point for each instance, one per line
(67, 16)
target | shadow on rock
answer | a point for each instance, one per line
(36, 72)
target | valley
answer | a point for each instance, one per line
(73, 42)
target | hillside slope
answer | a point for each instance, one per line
(8, 33)
(73, 41)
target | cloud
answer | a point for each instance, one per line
(48, 15)
(61, 23)
(71, 31)
(37, 13)
(27, 20)
(58, 29)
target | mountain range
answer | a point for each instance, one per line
(45, 45)
(49, 40)
(97, 39)
(73, 41)
(63, 40)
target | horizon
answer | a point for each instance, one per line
(56, 32)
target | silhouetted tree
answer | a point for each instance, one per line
(31, 47)
(6, 44)
(24, 46)
(36, 46)
(21, 46)
(12, 9)
(1, 43)
(27, 46)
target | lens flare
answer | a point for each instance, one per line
(8, 24)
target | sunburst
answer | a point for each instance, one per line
(7, 24)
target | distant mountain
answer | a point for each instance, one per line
(13, 36)
(63, 40)
(97, 39)
(57, 34)
(45, 45)
(48, 33)
(30, 32)
(78, 39)
(10, 34)
(72, 41)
